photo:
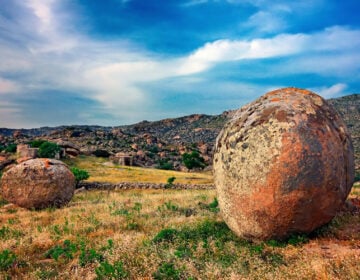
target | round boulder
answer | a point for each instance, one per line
(38, 183)
(284, 164)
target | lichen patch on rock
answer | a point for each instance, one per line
(38, 183)
(283, 164)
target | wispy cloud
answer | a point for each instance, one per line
(332, 91)
(266, 22)
(194, 3)
(332, 39)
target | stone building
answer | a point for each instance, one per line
(123, 159)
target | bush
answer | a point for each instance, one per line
(107, 270)
(66, 251)
(167, 271)
(11, 148)
(165, 165)
(89, 256)
(7, 259)
(36, 143)
(193, 160)
(80, 175)
(170, 182)
(48, 150)
(166, 234)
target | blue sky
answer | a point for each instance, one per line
(115, 62)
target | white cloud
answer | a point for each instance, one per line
(332, 39)
(332, 91)
(266, 22)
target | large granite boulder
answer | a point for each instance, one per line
(284, 164)
(38, 183)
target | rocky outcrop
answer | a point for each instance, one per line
(160, 141)
(38, 183)
(283, 164)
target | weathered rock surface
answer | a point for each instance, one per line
(283, 164)
(38, 183)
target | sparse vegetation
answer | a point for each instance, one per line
(145, 234)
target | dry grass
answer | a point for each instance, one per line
(117, 229)
(102, 170)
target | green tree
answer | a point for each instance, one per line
(48, 150)
(80, 175)
(193, 160)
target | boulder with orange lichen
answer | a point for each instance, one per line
(284, 164)
(38, 183)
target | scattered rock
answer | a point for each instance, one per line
(283, 164)
(38, 183)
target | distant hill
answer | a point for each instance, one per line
(159, 142)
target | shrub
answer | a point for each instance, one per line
(11, 148)
(36, 143)
(80, 175)
(89, 256)
(167, 234)
(7, 259)
(170, 182)
(107, 270)
(167, 271)
(67, 250)
(165, 165)
(193, 160)
(48, 150)
(212, 206)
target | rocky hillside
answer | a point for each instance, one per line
(161, 143)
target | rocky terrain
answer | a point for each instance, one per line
(160, 143)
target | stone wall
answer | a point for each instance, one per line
(129, 186)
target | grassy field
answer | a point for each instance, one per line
(163, 234)
(101, 170)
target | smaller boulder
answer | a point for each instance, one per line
(38, 183)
